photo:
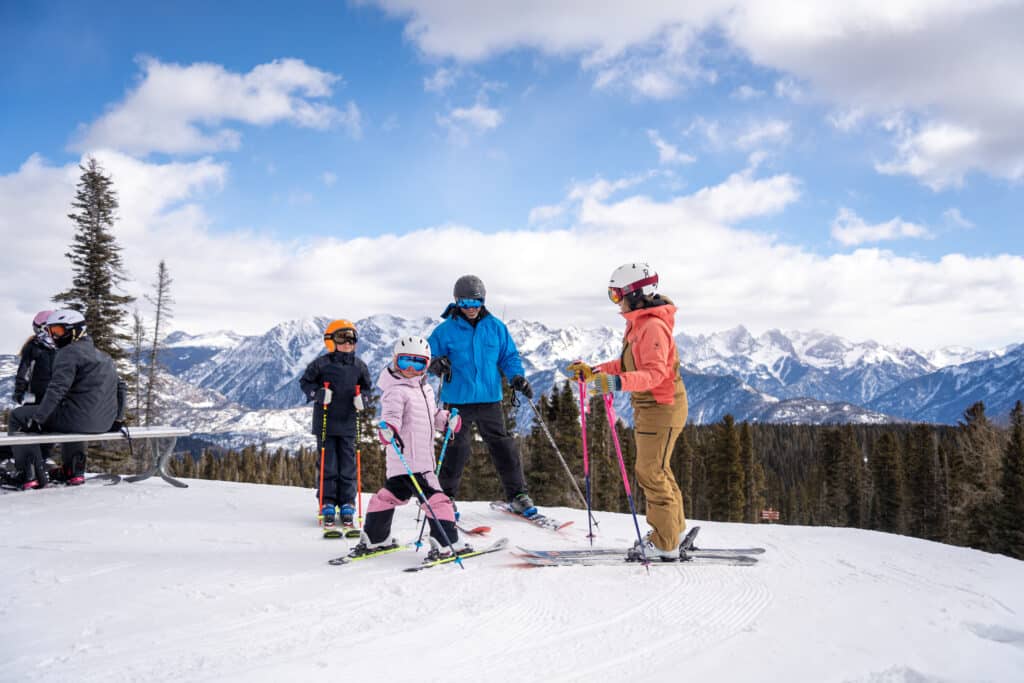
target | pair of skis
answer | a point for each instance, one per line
(688, 552)
(498, 545)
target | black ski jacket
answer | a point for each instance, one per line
(85, 394)
(342, 370)
(34, 370)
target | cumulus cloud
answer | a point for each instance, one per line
(667, 152)
(180, 109)
(718, 274)
(849, 229)
(955, 64)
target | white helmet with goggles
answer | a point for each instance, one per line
(637, 279)
(412, 352)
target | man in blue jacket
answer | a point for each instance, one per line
(471, 350)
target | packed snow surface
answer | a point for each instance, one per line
(230, 582)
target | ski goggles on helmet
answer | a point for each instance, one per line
(617, 294)
(57, 330)
(410, 362)
(469, 303)
(342, 336)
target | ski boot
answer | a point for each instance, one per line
(327, 515)
(367, 547)
(646, 549)
(439, 552)
(523, 505)
(346, 514)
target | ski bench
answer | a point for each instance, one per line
(160, 439)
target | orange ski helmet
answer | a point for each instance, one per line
(337, 331)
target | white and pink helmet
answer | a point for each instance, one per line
(40, 320)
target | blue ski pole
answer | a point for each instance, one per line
(423, 496)
(440, 461)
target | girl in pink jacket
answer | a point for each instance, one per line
(412, 416)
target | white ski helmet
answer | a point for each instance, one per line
(412, 346)
(65, 326)
(632, 278)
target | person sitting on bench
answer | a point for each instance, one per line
(85, 396)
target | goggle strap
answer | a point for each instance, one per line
(639, 284)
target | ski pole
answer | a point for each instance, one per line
(437, 470)
(440, 388)
(359, 462)
(423, 496)
(582, 387)
(323, 447)
(558, 452)
(609, 410)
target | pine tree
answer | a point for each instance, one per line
(836, 476)
(924, 491)
(888, 501)
(138, 342)
(96, 263)
(974, 479)
(1010, 515)
(854, 458)
(726, 475)
(753, 476)
(163, 302)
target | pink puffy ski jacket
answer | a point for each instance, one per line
(407, 404)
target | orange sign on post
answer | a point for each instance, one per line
(770, 515)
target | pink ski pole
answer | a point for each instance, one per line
(609, 410)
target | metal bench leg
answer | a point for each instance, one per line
(162, 452)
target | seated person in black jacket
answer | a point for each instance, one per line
(84, 396)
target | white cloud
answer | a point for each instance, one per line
(745, 93)
(183, 109)
(954, 217)
(763, 133)
(849, 229)
(351, 120)
(718, 274)
(329, 178)
(461, 121)
(669, 153)
(955, 63)
(442, 79)
(846, 120)
(540, 215)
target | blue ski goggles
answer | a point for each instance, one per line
(469, 303)
(407, 362)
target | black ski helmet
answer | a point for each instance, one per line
(470, 287)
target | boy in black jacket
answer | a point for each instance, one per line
(331, 380)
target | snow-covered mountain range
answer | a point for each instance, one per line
(235, 389)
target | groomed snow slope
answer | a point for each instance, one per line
(219, 582)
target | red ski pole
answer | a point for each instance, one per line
(323, 446)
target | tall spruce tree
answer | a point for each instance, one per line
(163, 303)
(1010, 514)
(96, 263)
(836, 477)
(753, 476)
(727, 476)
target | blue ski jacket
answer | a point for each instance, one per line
(480, 354)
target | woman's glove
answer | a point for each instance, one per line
(603, 383)
(578, 370)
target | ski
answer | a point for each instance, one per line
(474, 531)
(500, 544)
(687, 546)
(538, 519)
(350, 558)
(95, 480)
(611, 561)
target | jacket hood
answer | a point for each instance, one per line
(665, 310)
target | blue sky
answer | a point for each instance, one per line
(856, 169)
